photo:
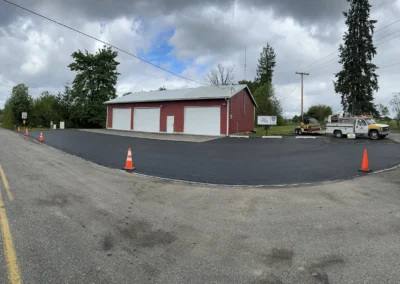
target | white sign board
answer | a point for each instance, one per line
(54, 126)
(62, 125)
(24, 115)
(267, 120)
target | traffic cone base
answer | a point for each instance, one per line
(364, 166)
(129, 163)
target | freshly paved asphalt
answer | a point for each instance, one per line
(230, 161)
(73, 221)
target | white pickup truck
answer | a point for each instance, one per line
(358, 126)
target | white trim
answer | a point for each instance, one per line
(227, 117)
(159, 122)
(112, 118)
(203, 106)
(149, 107)
(272, 137)
(184, 118)
(238, 136)
(306, 137)
(108, 108)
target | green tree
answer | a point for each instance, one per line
(45, 110)
(296, 118)
(93, 85)
(357, 80)
(268, 104)
(266, 65)
(395, 103)
(319, 112)
(384, 111)
(162, 88)
(19, 101)
(8, 118)
(251, 84)
(66, 109)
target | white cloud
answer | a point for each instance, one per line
(37, 52)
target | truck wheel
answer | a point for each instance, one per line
(338, 134)
(374, 135)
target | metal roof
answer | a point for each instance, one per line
(201, 93)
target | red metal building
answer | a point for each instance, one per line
(203, 111)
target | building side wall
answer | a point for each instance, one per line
(176, 109)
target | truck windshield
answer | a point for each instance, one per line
(370, 121)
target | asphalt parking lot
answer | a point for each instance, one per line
(230, 161)
(73, 221)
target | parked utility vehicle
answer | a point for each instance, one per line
(309, 126)
(359, 126)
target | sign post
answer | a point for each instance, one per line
(24, 116)
(267, 121)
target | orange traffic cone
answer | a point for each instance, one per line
(364, 165)
(41, 137)
(19, 130)
(26, 132)
(129, 163)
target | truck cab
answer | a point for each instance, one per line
(368, 127)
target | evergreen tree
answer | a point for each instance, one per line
(357, 80)
(266, 65)
(94, 84)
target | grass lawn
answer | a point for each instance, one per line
(273, 130)
(37, 128)
(392, 124)
(31, 129)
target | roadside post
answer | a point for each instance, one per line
(267, 121)
(24, 116)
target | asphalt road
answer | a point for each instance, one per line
(73, 221)
(230, 161)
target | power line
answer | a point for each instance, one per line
(387, 26)
(338, 51)
(324, 65)
(387, 40)
(336, 59)
(319, 60)
(106, 43)
(387, 35)
(390, 65)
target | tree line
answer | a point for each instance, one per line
(80, 105)
(261, 86)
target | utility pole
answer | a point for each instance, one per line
(245, 61)
(302, 89)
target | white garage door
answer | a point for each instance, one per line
(121, 119)
(202, 120)
(146, 119)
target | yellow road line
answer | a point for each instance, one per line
(6, 185)
(9, 252)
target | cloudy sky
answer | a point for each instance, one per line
(189, 37)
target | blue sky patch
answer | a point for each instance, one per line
(161, 53)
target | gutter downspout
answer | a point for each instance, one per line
(227, 116)
(108, 108)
